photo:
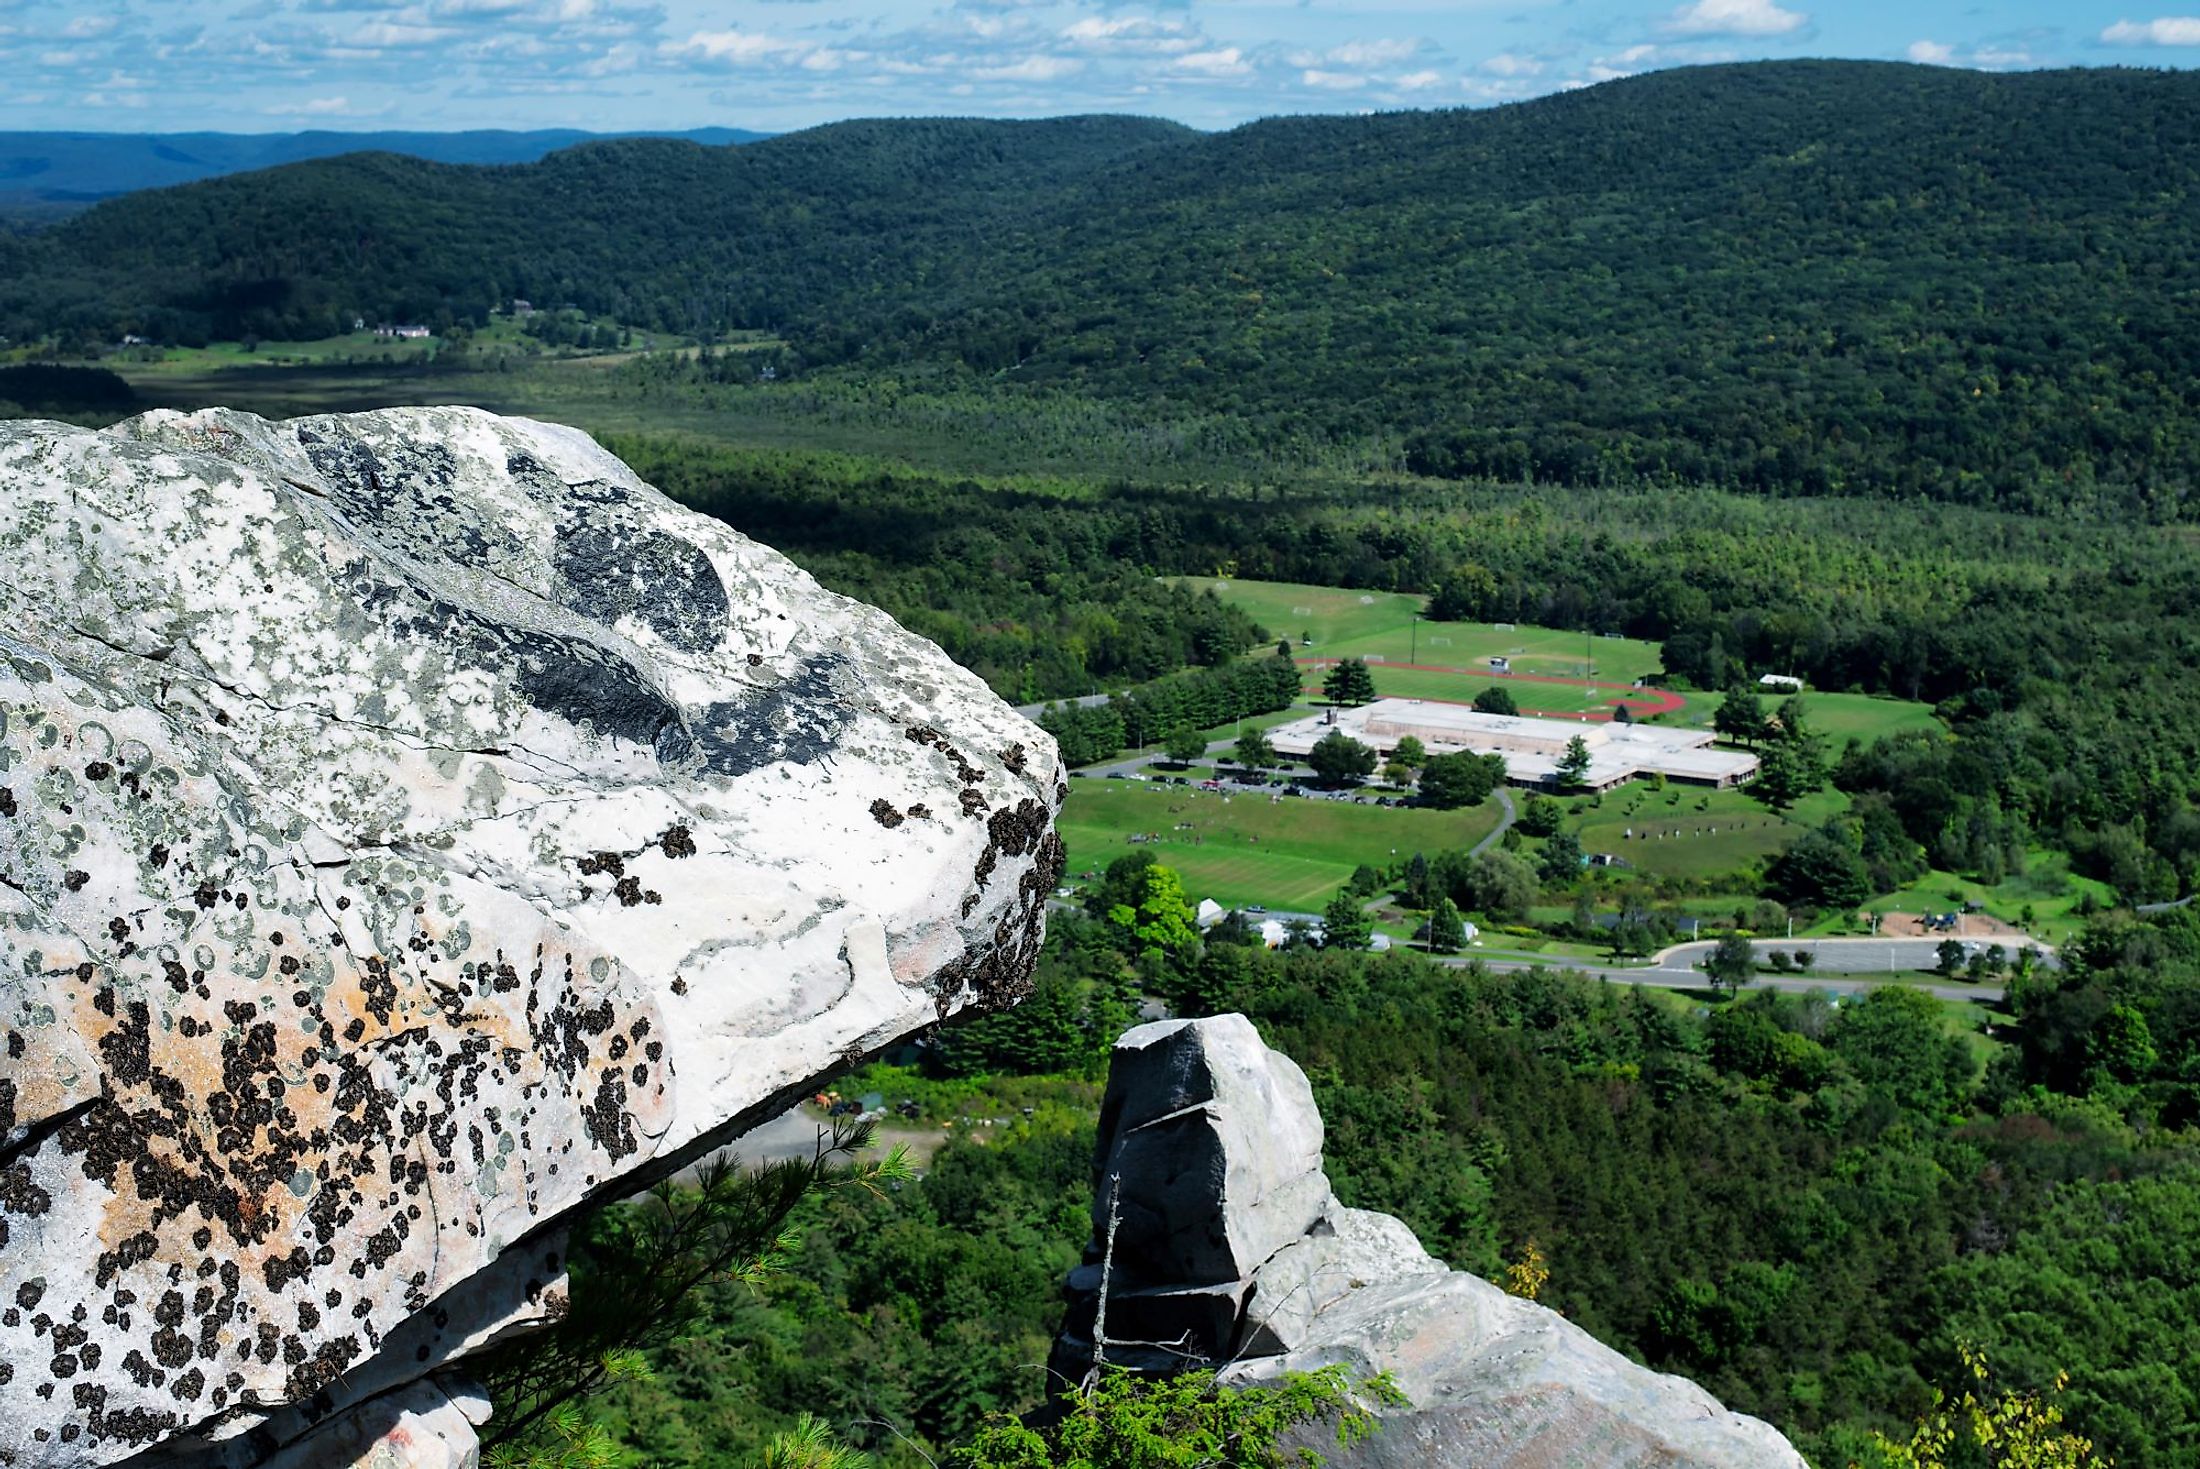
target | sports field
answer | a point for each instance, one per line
(1349, 624)
(1289, 853)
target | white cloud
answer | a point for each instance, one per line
(1332, 81)
(2169, 30)
(1134, 35)
(1505, 64)
(1030, 69)
(1372, 53)
(1418, 81)
(736, 48)
(322, 107)
(1735, 18)
(385, 35)
(1987, 57)
(1225, 61)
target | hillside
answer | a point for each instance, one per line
(50, 174)
(1810, 277)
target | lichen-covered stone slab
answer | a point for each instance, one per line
(413, 828)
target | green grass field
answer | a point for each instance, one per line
(1838, 718)
(503, 337)
(1419, 683)
(1745, 831)
(1350, 624)
(1290, 853)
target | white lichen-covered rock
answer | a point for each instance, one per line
(1492, 1382)
(413, 828)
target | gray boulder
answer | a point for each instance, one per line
(413, 831)
(1492, 1382)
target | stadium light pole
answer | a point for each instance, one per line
(1413, 640)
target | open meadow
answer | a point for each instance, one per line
(1288, 852)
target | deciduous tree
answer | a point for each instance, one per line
(1349, 683)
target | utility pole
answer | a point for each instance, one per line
(1413, 640)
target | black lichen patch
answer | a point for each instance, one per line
(798, 720)
(574, 679)
(677, 841)
(630, 893)
(998, 974)
(883, 812)
(612, 571)
(405, 492)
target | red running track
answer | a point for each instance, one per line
(1645, 703)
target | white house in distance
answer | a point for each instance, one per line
(1532, 748)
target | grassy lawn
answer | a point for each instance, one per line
(1531, 696)
(1291, 854)
(2049, 887)
(1745, 830)
(1349, 624)
(1839, 718)
(1843, 717)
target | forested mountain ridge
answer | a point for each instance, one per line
(1795, 277)
(653, 231)
(51, 173)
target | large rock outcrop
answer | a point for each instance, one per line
(413, 829)
(1229, 1250)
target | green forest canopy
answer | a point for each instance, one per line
(1794, 277)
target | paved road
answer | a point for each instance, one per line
(1844, 956)
(1140, 759)
(1679, 976)
(1082, 701)
(1511, 814)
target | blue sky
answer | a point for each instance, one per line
(267, 65)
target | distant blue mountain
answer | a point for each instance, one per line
(46, 175)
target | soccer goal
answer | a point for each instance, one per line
(1302, 612)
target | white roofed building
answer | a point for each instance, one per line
(1532, 747)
